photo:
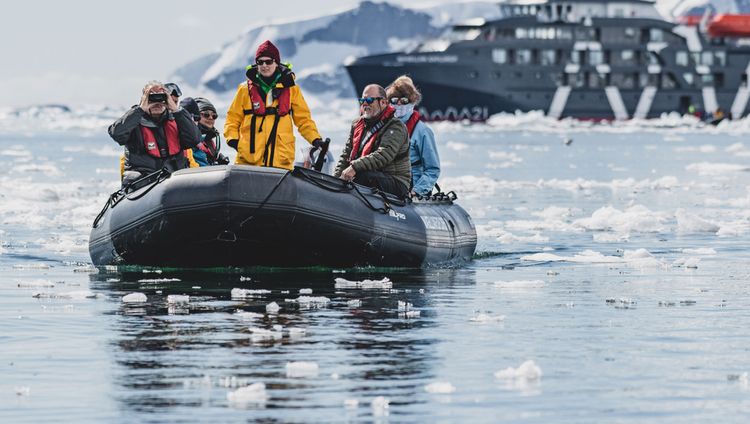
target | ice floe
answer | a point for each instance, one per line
(273, 308)
(238, 293)
(440, 387)
(380, 406)
(484, 318)
(690, 223)
(712, 168)
(178, 299)
(526, 371)
(134, 298)
(159, 280)
(636, 258)
(252, 394)
(310, 301)
(302, 369)
(385, 283)
(262, 335)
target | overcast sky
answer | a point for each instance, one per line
(102, 52)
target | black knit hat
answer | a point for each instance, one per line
(204, 104)
(190, 105)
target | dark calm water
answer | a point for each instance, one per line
(617, 263)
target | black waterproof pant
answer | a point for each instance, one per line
(383, 181)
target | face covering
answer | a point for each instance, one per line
(403, 110)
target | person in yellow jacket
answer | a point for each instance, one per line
(259, 120)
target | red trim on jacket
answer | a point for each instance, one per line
(359, 132)
(411, 123)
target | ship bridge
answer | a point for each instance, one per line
(577, 11)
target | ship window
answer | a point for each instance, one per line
(721, 58)
(563, 34)
(707, 79)
(643, 80)
(656, 34)
(499, 55)
(707, 58)
(627, 57)
(586, 34)
(689, 79)
(575, 57)
(548, 57)
(522, 33)
(681, 58)
(630, 32)
(523, 56)
(596, 57)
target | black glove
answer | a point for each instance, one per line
(222, 160)
(318, 143)
(233, 143)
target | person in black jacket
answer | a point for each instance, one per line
(155, 134)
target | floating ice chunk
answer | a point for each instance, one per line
(689, 223)
(36, 284)
(380, 406)
(260, 335)
(152, 271)
(297, 333)
(25, 391)
(610, 237)
(238, 293)
(311, 301)
(711, 168)
(248, 315)
(700, 251)
(404, 306)
(196, 287)
(178, 298)
(31, 266)
(134, 298)
(634, 219)
(273, 308)
(441, 387)
(75, 295)
(520, 284)
(252, 394)
(89, 269)
(354, 303)
(305, 291)
(483, 318)
(302, 369)
(159, 280)
(527, 371)
(385, 283)
(245, 278)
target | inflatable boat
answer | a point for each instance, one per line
(245, 216)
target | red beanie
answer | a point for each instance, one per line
(267, 49)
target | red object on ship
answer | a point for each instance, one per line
(690, 20)
(729, 26)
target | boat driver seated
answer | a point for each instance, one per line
(155, 134)
(377, 151)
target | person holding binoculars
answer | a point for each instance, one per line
(155, 134)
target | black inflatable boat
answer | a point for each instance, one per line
(251, 216)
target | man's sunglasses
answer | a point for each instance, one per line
(209, 115)
(265, 62)
(368, 100)
(399, 101)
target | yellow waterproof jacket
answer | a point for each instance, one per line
(238, 126)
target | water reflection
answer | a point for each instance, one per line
(183, 359)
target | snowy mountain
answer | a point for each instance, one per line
(317, 47)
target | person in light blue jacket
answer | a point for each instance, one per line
(425, 162)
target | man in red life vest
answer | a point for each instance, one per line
(155, 134)
(377, 152)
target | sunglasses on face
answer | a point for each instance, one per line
(265, 62)
(399, 101)
(209, 115)
(368, 100)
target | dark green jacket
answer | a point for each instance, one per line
(391, 156)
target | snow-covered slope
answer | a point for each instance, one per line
(317, 47)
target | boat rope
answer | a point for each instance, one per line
(116, 197)
(263, 203)
(346, 187)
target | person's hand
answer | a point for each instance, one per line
(222, 160)
(171, 105)
(318, 143)
(232, 143)
(144, 101)
(348, 174)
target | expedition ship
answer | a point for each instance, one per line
(588, 59)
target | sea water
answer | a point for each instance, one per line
(610, 285)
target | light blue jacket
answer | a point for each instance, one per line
(425, 162)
